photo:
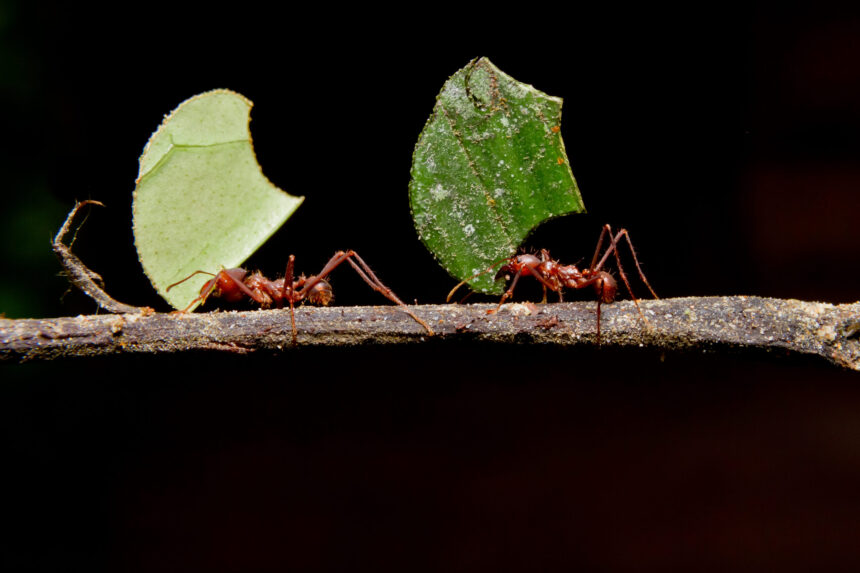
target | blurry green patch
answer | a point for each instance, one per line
(28, 221)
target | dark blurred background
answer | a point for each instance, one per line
(727, 142)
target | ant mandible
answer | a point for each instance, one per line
(233, 285)
(556, 277)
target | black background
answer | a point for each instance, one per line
(725, 141)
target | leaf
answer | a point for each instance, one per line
(202, 201)
(488, 168)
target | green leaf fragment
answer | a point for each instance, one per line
(488, 168)
(202, 201)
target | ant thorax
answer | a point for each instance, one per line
(569, 275)
(262, 288)
(277, 286)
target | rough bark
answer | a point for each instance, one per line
(706, 323)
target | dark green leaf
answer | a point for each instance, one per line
(488, 168)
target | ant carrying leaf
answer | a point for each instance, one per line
(557, 277)
(234, 285)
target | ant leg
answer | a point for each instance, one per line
(508, 293)
(537, 274)
(367, 275)
(456, 288)
(334, 262)
(201, 299)
(636, 261)
(288, 278)
(365, 272)
(596, 267)
(544, 257)
(370, 278)
(467, 297)
(474, 276)
(289, 294)
(613, 247)
(203, 296)
(613, 242)
(592, 280)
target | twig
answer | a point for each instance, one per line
(82, 277)
(708, 323)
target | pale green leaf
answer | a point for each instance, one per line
(202, 201)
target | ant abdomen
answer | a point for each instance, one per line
(605, 286)
(321, 293)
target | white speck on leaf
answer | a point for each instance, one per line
(438, 192)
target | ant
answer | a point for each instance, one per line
(235, 284)
(556, 277)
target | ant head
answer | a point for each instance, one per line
(210, 288)
(227, 285)
(605, 286)
(519, 264)
(527, 260)
(320, 293)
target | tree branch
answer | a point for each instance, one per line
(707, 323)
(82, 277)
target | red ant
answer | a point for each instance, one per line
(556, 277)
(234, 284)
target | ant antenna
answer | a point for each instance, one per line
(195, 273)
(461, 283)
(202, 297)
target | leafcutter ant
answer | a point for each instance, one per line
(557, 277)
(233, 285)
